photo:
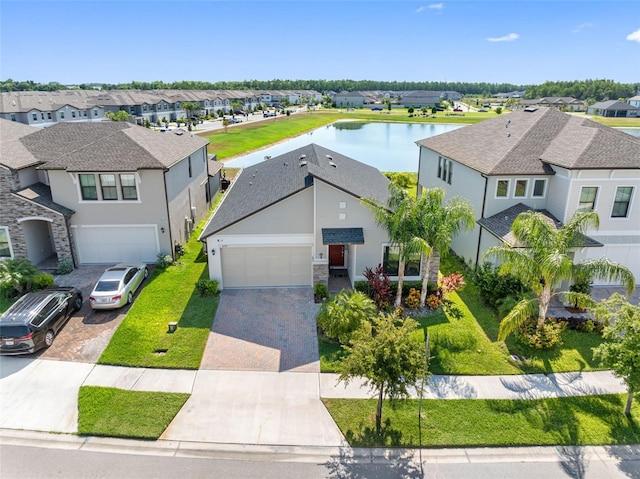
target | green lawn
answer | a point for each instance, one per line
(143, 340)
(131, 414)
(475, 422)
(464, 341)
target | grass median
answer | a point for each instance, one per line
(586, 420)
(131, 414)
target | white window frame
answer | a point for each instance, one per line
(544, 188)
(389, 245)
(6, 229)
(526, 188)
(98, 186)
(498, 180)
(595, 201)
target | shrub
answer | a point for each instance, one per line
(379, 286)
(65, 266)
(164, 260)
(433, 301)
(17, 275)
(341, 315)
(207, 287)
(320, 291)
(42, 280)
(413, 299)
(493, 286)
(547, 337)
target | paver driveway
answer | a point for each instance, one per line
(264, 330)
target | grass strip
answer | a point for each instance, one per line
(143, 340)
(130, 414)
(586, 420)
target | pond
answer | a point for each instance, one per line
(385, 146)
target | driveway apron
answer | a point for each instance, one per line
(264, 330)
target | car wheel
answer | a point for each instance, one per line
(146, 273)
(48, 338)
(77, 304)
(130, 298)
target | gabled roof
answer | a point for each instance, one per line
(526, 142)
(613, 105)
(13, 154)
(108, 146)
(40, 194)
(271, 181)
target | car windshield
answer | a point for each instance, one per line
(13, 331)
(111, 285)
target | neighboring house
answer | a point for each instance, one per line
(614, 108)
(564, 103)
(511, 94)
(293, 219)
(353, 99)
(99, 192)
(546, 160)
(419, 99)
(634, 101)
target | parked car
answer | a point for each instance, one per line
(457, 109)
(32, 322)
(117, 285)
(482, 110)
(376, 108)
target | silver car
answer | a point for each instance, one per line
(117, 285)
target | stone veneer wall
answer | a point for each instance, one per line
(321, 273)
(14, 208)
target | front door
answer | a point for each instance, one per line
(336, 255)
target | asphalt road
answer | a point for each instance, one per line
(25, 462)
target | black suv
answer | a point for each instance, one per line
(33, 321)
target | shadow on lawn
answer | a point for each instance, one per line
(366, 436)
(396, 463)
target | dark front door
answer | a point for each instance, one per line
(336, 255)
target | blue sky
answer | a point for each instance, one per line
(519, 42)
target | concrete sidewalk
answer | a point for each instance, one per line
(245, 407)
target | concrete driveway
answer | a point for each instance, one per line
(264, 330)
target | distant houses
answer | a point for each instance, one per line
(614, 108)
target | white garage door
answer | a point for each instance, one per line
(115, 244)
(266, 266)
(628, 255)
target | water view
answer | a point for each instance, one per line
(385, 146)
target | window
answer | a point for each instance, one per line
(538, 188)
(49, 116)
(588, 196)
(13, 117)
(5, 247)
(108, 185)
(622, 202)
(73, 114)
(390, 262)
(502, 190)
(450, 172)
(42, 115)
(128, 185)
(521, 189)
(34, 116)
(88, 187)
(190, 174)
(62, 115)
(84, 112)
(440, 165)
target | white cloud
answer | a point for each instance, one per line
(433, 6)
(507, 38)
(582, 26)
(634, 37)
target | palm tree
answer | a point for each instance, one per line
(398, 218)
(437, 224)
(542, 259)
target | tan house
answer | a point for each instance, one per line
(99, 192)
(545, 160)
(297, 218)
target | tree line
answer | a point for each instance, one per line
(594, 90)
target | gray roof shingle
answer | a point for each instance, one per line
(13, 154)
(40, 193)
(523, 141)
(342, 236)
(266, 183)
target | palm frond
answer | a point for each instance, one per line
(525, 309)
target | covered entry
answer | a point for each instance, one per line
(261, 266)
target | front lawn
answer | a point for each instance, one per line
(143, 340)
(131, 414)
(464, 341)
(477, 422)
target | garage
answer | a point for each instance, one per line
(115, 244)
(258, 267)
(625, 254)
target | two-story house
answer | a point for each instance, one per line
(540, 159)
(99, 192)
(298, 218)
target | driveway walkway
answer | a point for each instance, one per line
(264, 330)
